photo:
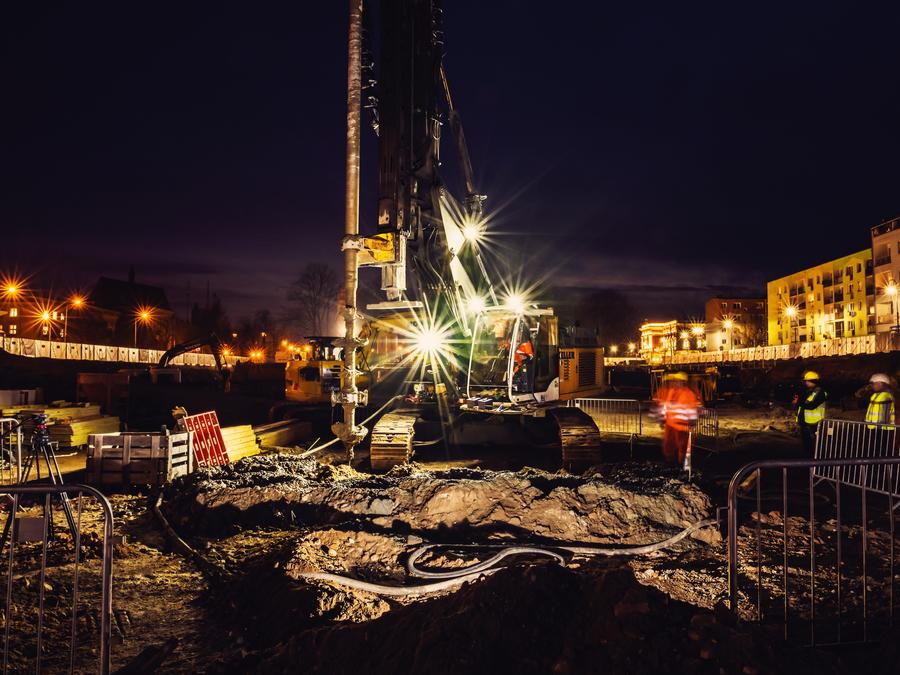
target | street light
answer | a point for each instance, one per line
(76, 302)
(791, 313)
(728, 325)
(143, 315)
(631, 347)
(614, 349)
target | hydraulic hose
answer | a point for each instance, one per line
(396, 591)
(517, 550)
(453, 578)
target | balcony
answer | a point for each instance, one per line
(883, 260)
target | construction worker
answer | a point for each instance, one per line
(676, 407)
(881, 402)
(810, 410)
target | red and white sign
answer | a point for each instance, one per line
(206, 438)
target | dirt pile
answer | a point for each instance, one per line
(631, 504)
(543, 619)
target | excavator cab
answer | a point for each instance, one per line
(514, 357)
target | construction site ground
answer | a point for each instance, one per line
(238, 602)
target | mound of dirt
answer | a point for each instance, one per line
(632, 504)
(543, 619)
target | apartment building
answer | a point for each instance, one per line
(831, 300)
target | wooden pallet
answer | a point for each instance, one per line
(138, 459)
(75, 433)
(578, 436)
(392, 438)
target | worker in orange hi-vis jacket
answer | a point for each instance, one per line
(676, 407)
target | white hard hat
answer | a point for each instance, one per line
(880, 377)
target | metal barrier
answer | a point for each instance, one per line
(10, 451)
(705, 429)
(845, 439)
(31, 619)
(613, 415)
(827, 574)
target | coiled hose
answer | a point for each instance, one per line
(452, 578)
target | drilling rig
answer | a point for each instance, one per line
(468, 348)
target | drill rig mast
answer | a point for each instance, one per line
(432, 271)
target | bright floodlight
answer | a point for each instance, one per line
(631, 346)
(790, 311)
(891, 289)
(515, 303)
(429, 341)
(476, 304)
(45, 315)
(613, 349)
(697, 330)
(77, 301)
(728, 324)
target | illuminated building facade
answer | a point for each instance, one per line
(832, 300)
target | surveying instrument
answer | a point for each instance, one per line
(41, 449)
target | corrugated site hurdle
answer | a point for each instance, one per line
(613, 415)
(53, 621)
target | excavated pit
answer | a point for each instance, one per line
(628, 504)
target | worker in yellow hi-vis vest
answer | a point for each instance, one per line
(881, 402)
(810, 410)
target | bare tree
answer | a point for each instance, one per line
(313, 297)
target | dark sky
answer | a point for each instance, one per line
(675, 151)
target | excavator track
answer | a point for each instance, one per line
(578, 436)
(392, 439)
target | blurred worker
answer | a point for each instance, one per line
(522, 370)
(881, 402)
(810, 410)
(676, 407)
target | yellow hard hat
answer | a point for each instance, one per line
(810, 376)
(680, 376)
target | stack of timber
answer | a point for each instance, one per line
(284, 434)
(69, 424)
(240, 442)
(75, 433)
(138, 459)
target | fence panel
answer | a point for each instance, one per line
(705, 429)
(845, 439)
(822, 565)
(612, 415)
(10, 451)
(52, 620)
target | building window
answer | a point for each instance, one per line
(859, 267)
(13, 312)
(13, 329)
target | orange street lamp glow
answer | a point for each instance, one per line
(77, 301)
(891, 289)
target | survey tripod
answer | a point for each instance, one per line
(41, 448)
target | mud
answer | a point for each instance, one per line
(631, 504)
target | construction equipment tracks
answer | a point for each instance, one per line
(578, 436)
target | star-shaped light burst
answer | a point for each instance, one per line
(432, 342)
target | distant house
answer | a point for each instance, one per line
(133, 312)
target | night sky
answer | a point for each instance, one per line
(675, 152)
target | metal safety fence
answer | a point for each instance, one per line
(613, 416)
(845, 439)
(55, 619)
(10, 451)
(820, 564)
(705, 430)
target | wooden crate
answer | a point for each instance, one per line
(138, 459)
